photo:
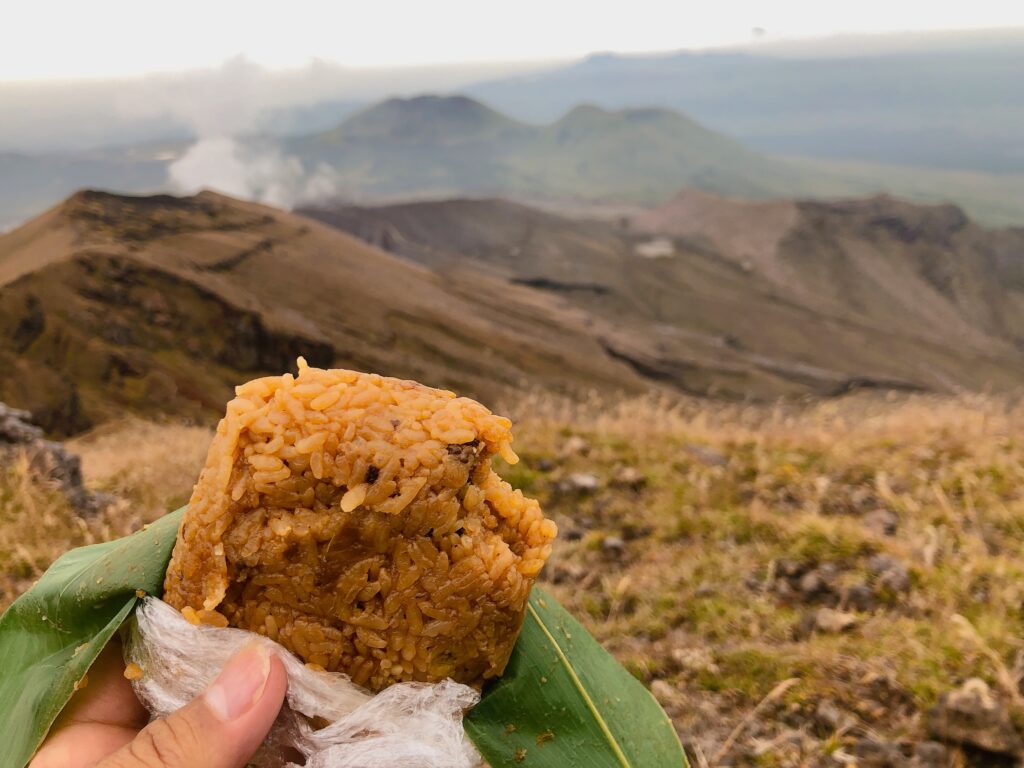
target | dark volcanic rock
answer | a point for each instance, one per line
(48, 459)
(16, 427)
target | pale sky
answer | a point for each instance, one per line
(60, 39)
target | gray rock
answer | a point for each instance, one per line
(890, 572)
(930, 754)
(811, 583)
(613, 545)
(878, 754)
(580, 483)
(16, 426)
(860, 597)
(973, 716)
(46, 459)
(814, 583)
(629, 477)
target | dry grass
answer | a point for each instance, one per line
(734, 491)
(37, 525)
(152, 465)
(149, 467)
(679, 577)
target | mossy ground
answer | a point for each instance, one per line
(678, 573)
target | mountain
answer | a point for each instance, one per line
(162, 304)
(444, 145)
(945, 100)
(763, 299)
(431, 147)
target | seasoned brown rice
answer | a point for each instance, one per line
(356, 519)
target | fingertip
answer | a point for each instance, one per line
(277, 684)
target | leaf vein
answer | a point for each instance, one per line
(582, 689)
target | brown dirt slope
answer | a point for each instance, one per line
(715, 296)
(162, 304)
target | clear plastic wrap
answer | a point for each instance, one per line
(408, 725)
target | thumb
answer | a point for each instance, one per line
(220, 728)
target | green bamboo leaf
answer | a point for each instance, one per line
(50, 636)
(564, 702)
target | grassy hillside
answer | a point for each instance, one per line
(798, 586)
(432, 145)
(160, 304)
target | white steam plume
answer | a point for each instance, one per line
(257, 172)
(227, 107)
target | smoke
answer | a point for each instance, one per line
(223, 109)
(256, 172)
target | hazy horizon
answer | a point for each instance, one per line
(370, 76)
(120, 40)
(225, 125)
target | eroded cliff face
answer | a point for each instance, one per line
(87, 335)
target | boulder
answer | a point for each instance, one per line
(46, 459)
(973, 716)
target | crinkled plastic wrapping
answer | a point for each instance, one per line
(408, 725)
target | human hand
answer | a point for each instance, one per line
(104, 725)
